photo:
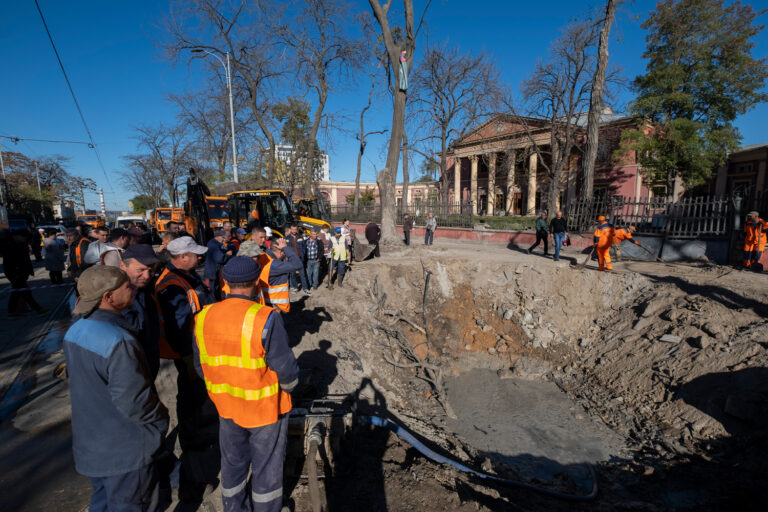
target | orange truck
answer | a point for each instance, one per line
(95, 221)
(162, 216)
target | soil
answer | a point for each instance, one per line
(657, 374)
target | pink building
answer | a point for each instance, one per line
(336, 192)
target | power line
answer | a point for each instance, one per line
(22, 139)
(72, 92)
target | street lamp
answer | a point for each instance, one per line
(231, 107)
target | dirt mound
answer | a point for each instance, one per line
(672, 359)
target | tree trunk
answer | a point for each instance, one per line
(356, 207)
(596, 102)
(443, 168)
(406, 177)
(388, 176)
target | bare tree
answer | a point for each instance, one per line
(361, 137)
(596, 101)
(143, 177)
(453, 91)
(558, 92)
(398, 78)
(323, 56)
(238, 29)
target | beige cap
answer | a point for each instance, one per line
(93, 284)
(185, 245)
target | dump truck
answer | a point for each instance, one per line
(95, 221)
(162, 216)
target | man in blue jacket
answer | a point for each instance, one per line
(118, 422)
(218, 253)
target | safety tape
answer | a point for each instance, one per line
(8, 290)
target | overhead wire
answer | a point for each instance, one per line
(22, 139)
(74, 98)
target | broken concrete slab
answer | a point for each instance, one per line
(670, 338)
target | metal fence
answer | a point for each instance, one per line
(455, 215)
(702, 217)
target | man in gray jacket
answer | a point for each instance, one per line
(118, 422)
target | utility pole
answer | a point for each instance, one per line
(37, 172)
(101, 203)
(2, 165)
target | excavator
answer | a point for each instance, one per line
(246, 209)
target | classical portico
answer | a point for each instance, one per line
(498, 169)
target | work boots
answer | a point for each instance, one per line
(341, 280)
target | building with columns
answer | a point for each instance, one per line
(496, 168)
(336, 192)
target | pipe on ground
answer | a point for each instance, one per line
(314, 440)
(401, 432)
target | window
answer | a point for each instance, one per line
(659, 191)
(741, 168)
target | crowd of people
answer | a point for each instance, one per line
(223, 329)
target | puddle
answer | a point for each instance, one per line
(530, 426)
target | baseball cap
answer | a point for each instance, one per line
(94, 283)
(142, 253)
(241, 231)
(184, 245)
(218, 232)
(134, 231)
(337, 230)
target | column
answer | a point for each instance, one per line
(533, 167)
(491, 184)
(510, 181)
(473, 184)
(457, 181)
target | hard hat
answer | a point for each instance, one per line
(268, 232)
(601, 217)
(337, 230)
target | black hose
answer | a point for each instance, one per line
(315, 438)
(401, 432)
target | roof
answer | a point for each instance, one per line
(751, 147)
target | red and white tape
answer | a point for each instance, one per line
(7, 290)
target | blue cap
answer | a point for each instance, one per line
(241, 269)
(337, 230)
(241, 231)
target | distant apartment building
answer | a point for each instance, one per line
(744, 173)
(286, 153)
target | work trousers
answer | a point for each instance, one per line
(313, 273)
(135, 491)
(17, 300)
(375, 253)
(407, 235)
(559, 237)
(263, 450)
(753, 253)
(604, 258)
(541, 236)
(294, 283)
(340, 266)
(429, 237)
(197, 428)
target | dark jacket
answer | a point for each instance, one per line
(279, 270)
(296, 242)
(372, 232)
(279, 356)
(215, 258)
(558, 225)
(73, 266)
(144, 318)
(16, 262)
(320, 248)
(408, 224)
(177, 313)
(118, 422)
(54, 255)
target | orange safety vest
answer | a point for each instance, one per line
(622, 234)
(277, 296)
(79, 251)
(755, 232)
(232, 356)
(167, 279)
(603, 235)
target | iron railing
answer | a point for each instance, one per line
(456, 215)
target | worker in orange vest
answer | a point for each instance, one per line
(621, 234)
(242, 353)
(276, 264)
(755, 230)
(180, 295)
(603, 239)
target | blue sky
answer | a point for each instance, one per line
(121, 80)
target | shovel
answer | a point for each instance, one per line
(649, 252)
(584, 264)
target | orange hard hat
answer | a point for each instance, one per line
(601, 217)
